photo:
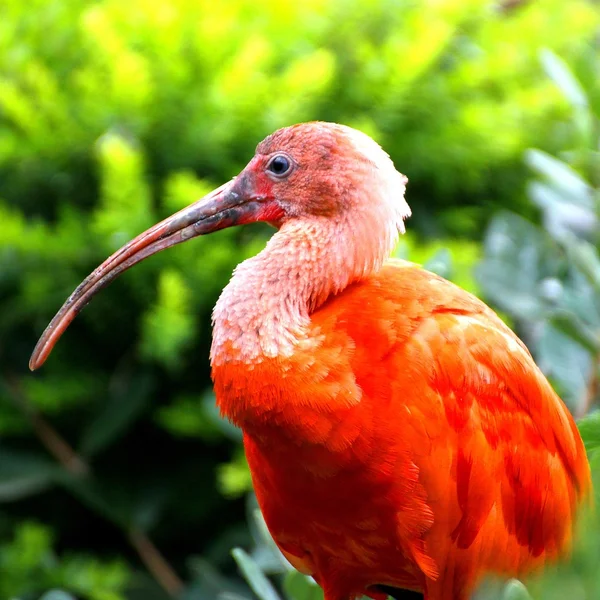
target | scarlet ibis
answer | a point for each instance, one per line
(399, 434)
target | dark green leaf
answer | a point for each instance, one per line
(97, 497)
(125, 404)
(143, 587)
(210, 584)
(22, 475)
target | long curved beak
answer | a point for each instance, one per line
(224, 207)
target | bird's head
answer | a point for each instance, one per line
(311, 172)
(323, 170)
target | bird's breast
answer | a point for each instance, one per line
(333, 514)
(325, 477)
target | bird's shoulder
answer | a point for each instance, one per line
(399, 298)
(447, 360)
(482, 423)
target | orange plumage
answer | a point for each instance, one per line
(446, 456)
(399, 435)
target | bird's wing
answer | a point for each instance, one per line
(497, 452)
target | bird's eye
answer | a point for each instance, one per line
(280, 165)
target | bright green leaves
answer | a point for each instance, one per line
(29, 566)
(188, 416)
(183, 188)
(125, 207)
(300, 587)
(234, 477)
(125, 74)
(589, 428)
(169, 326)
(452, 259)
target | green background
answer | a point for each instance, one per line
(117, 478)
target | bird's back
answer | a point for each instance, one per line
(413, 418)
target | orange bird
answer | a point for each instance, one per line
(400, 436)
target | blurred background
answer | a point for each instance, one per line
(118, 480)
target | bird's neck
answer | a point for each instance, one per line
(265, 309)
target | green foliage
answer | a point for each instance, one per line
(173, 313)
(258, 581)
(453, 259)
(548, 278)
(29, 565)
(115, 114)
(589, 427)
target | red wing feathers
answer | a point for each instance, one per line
(414, 444)
(497, 452)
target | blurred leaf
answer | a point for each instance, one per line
(300, 587)
(266, 553)
(234, 477)
(589, 427)
(517, 258)
(566, 362)
(93, 579)
(22, 475)
(558, 70)
(56, 595)
(572, 326)
(573, 91)
(254, 576)
(99, 498)
(126, 207)
(562, 216)
(28, 565)
(515, 590)
(562, 176)
(124, 405)
(450, 258)
(169, 325)
(440, 263)
(194, 416)
(210, 584)
(585, 258)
